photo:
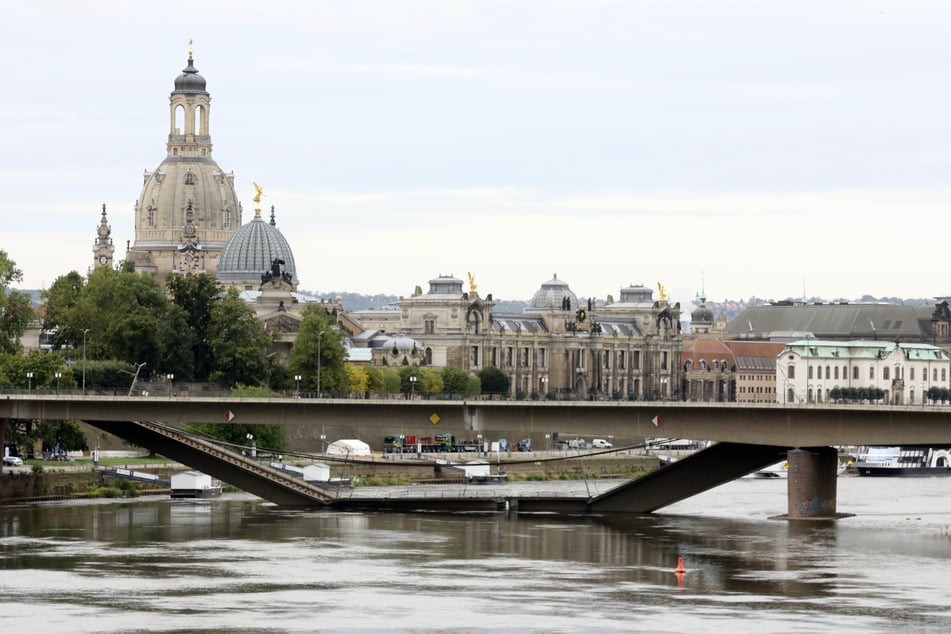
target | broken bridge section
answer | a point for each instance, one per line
(698, 472)
(227, 466)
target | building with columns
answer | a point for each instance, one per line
(808, 371)
(559, 347)
(188, 208)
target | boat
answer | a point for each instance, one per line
(778, 470)
(194, 484)
(904, 461)
(480, 472)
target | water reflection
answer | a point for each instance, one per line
(239, 563)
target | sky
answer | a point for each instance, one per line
(738, 148)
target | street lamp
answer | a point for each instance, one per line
(297, 378)
(544, 386)
(170, 377)
(85, 332)
(29, 378)
(254, 448)
(320, 338)
(412, 384)
(58, 376)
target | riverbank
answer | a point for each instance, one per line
(40, 480)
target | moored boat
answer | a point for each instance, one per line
(904, 461)
(194, 484)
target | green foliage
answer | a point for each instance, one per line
(392, 381)
(375, 382)
(319, 338)
(358, 381)
(455, 380)
(494, 381)
(64, 434)
(238, 342)
(16, 311)
(196, 295)
(61, 298)
(473, 385)
(427, 380)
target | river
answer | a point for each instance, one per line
(240, 564)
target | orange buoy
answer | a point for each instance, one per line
(680, 566)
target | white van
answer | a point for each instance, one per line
(601, 443)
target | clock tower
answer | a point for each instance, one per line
(103, 248)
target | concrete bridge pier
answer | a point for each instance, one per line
(812, 479)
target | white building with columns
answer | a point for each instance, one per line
(808, 371)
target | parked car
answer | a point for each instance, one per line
(601, 443)
(577, 443)
(12, 461)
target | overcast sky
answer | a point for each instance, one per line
(746, 147)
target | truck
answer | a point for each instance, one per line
(439, 443)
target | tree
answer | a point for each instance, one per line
(196, 295)
(319, 338)
(391, 381)
(455, 380)
(357, 379)
(16, 311)
(375, 384)
(238, 342)
(494, 381)
(61, 299)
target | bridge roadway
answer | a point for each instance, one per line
(755, 424)
(748, 436)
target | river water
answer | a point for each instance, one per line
(240, 564)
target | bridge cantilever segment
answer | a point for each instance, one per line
(227, 466)
(694, 474)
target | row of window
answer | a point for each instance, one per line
(832, 373)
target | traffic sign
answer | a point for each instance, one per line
(230, 416)
(657, 421)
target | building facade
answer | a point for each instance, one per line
(815, 371)
(559, 347)
(188, 208)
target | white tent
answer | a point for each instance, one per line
(350, 448)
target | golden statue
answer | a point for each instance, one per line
(257, 196)
(472, 283)
(663, 293)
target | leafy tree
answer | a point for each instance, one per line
(319, 326)
(357, 379)
(391, 381)
(473, 385)
(16, 311)
(196, 295)
(238, 342)
(64, 434)
(375, 384)
(494, 381)
(455, 380)
(61, 299)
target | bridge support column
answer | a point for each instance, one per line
(812, 481)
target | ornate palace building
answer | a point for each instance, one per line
(559, 347)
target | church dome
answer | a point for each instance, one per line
(190, 80)
(552, 294)
(251, 252)
(702, 314)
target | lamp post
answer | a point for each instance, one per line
(170, 377)
(545, 386)
(29, 378)
(85, 332)
(320, 338)
(254, 449)
(297, 378)
(58, 376)
(412, 384)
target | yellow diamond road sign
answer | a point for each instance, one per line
(434, 418)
